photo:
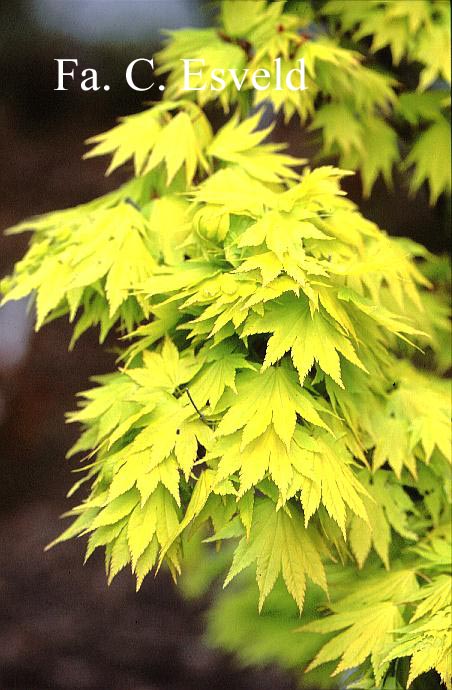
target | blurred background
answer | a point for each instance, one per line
(61, 626)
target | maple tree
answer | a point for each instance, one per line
(267, 396)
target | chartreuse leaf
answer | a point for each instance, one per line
(267, 453)
(133, 533)
(340, 128)
(416, 418)
(170, 227)
(433, 597)
(435, 169)
(286, 387)
(205, 485)
(377, 586)
(218, 374)
(437, 62)
(117, 509)
(310, 337)
(314, 465)
(240, 17)
(125, 141)
(415, 106)
(366, 633)
(364, 623)
(78, 527)
(428, 644)
(118, 555)
(324, 474)
(178, 140)
(236, 191)
(389, 507)
(272, 396)
(381, 152)
(278, 543)
(164, 320)
(435, 552)
(140, 529)
(236, 142)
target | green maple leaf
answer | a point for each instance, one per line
(323, 472)
(219, 373)
(154, 136)
(272, 396)
(367, 633)
(429, 164)
(387, 506)
(416, 106)
(381, 152)
(278, 543)
(236, 142)
(240, 17)
(310, 337)
(341, 128)
(428, 643)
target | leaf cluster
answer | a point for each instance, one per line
(363, 111)
(266, 395)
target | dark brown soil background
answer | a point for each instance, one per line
(61, 627)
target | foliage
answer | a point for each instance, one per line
(268, 392)
(364, 105)
(403, 615)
